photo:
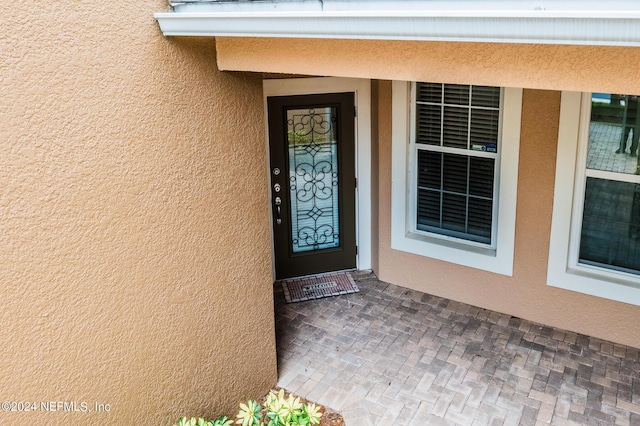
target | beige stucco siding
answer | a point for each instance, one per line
(135, 263)
(578, 68)
(525, 294)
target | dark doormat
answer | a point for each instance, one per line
(318, 286)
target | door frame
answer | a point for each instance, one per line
(362, 91)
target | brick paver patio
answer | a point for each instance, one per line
(393, 356)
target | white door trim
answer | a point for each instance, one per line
(362, 90)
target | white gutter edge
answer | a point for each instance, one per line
(602, 28)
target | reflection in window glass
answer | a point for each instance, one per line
(613, 133)
(610, 235)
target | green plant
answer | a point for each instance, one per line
(313, 413)
(221, 421)
(290, 411)
(249, 414)
(185, 421)
(607, 113)
(278, 411)
(297, 137)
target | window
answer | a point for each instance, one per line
(595, 239)
(455, 159)
(456, 146)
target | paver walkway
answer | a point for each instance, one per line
(393, 356)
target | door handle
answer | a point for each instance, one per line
(278, 202)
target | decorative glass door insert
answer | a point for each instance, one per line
(313, 179)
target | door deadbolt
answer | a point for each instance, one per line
(276, 187)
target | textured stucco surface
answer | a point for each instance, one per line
(135, 265)
(525, 294)
(578, 68)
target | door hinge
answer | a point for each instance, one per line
(356, 182)
(355, 111)
(356, 250)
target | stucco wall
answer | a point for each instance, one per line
(135, 265)
(578, 68)
(525, 294)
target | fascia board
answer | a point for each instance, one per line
(606, 28)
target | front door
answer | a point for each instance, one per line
(312, 143)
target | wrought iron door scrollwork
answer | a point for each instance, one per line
(313, 178)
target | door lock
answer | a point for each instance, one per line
(276, 187)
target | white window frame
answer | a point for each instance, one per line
(497, 257)
(566, 224)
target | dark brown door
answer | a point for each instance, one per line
(312, 142)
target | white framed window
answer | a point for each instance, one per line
(595, 231)
(454, 166)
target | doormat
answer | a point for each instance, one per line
(319, 286)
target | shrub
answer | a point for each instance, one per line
(278, 410)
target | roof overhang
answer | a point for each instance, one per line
(587, 22)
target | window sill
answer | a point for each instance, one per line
(600, 284)
(457, 252)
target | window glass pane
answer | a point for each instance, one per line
(455, 173)
(429, 169)
(485, 96)
(455, 195)
(614, 132)
(428, 209)
(482, 172)
(484, 130)
(456, 94)
(611, 225)
(429, 92)
(455, 123)
(454, 212)
(480, 216)
(428, 124)
(455, 127)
